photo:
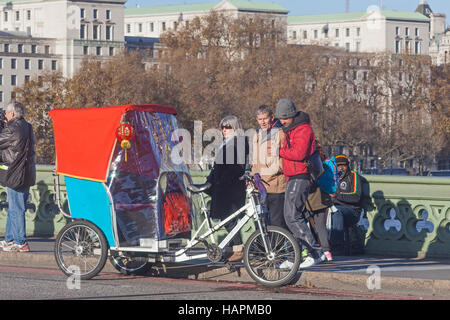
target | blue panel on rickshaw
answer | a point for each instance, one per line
(89, 200)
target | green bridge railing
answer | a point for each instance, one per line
(407, 216)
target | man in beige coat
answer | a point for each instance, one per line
(266, 161)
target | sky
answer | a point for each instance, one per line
(306, 7)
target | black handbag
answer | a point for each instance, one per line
(14, 176)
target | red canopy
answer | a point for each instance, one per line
(84, 138)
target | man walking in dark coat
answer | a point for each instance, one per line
(17, 142)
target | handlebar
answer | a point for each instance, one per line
(246, 177)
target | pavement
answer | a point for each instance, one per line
(372, 276)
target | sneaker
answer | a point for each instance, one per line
(18, 247)
(328, 255)
(285, 265)
(321, 258)
(309, 262)
(4, 244)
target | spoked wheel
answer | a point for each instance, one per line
(81, 249)
(276, 267)
(129, 265)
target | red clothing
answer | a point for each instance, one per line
(298, 146)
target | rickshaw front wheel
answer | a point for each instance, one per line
(129, 265)
(81, 249)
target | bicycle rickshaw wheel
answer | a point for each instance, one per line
(81, 249)
(129, 265)
(265, 268)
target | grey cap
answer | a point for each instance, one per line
(285, 109)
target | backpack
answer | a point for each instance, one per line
(329, 179)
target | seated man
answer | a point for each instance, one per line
(347, 201)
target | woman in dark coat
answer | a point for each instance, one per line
(227, 191)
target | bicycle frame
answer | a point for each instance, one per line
(252, 208)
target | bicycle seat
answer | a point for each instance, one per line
(197, 188)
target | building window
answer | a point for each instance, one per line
(140, 27)
(397, 31)
(128, 28)
(111, 51)
(358, 46)
(347, 46)
(54, 64)
(108, 14)
(85, 50)
(294, 35)
(98, 51)
(17, 15)
(28, 14)
(5, 16)
(40, 64)
(95, 13)
(1, 79)
(316, 34)
(47, 49)
(33, 48)
(337, 33)
(417, 47)
(13, 80)
(1, 63)
(19, 48)
(6, 47)
(358, 31)
(27, 79)
(82, 31)
(163, 26)
(82, 13)
(1, 96)
(95, 32)
(13, 63)
(397, 46)
(347, 32)
(407, 48)
(365, 75)
(417, 32)
(108, 33)
(27, 64)
(305, 34)
(407, 31)
(152, 27)
(355, 75)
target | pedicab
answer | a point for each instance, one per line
(129, 202)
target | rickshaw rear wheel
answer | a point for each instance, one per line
(129, 265)
(81, 249)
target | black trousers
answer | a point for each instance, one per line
(320, 227)
(275, 205)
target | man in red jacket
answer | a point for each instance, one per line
(299, 144)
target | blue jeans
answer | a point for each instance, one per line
(15, 223)
(344, 218)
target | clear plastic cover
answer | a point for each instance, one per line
(148, 189)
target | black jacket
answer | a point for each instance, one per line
(13, 140)
(349, 191)
(227, 191)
